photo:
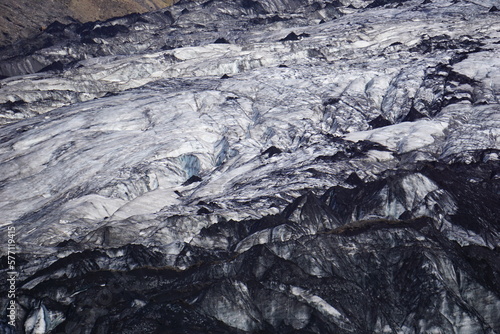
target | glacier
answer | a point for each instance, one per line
(275, 166)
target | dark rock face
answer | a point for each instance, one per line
(238, 167)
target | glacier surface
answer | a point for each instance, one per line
(275, 166)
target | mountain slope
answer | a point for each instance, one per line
(26, 18)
